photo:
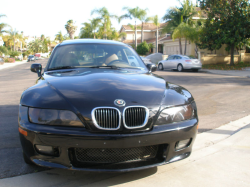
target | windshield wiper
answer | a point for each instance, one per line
(112, 67)
(62, 67)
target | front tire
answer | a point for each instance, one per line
(179, 68)
(160, 67)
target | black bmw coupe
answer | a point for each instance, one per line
(91, 110)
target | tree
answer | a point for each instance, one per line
(36, 46)
(3, 50)
(157, 24)
(143, 20)
(142, 48)
(71, 28)
(89, 30)
(114, 35)
(86, 31)
(14, 37)
(228, 23)
(59, 37)
(151, 47)
(133, 29)
(134, 13)
(105, 16)
(176, 16)
(45, 43)
(3, 25)
(66, 37)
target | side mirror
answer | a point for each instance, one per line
(151, 67)
(36, 68)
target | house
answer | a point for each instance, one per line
(168, 46)
(1, 41)
(149, 34)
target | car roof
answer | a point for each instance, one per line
(92, 41)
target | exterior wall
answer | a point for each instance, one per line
(222, 51)
(246, 57)
(172, 47)
(148, 35)
(215, 59)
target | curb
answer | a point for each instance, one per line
(9, 65)
(231, 74)
(214, 136)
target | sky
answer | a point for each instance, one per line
(48, 17)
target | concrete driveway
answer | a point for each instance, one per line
(220, 99)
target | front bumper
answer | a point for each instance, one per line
(68, 139)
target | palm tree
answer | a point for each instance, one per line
(181, 31)
(134, 13)
(157, 24)
(86, 31)
(114, 35)
(143, 20)
(59, 37)
(95, 23)
(3, 25)
(35, 46)
(66, 37)
(15, 37)
(71, 28)
(175, 16)
(89, 29)
(105, 16)
(133, 29)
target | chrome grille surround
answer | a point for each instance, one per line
(107, 118)
(137, 126)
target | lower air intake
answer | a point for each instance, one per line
(116, 155)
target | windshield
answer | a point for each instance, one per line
(95, 55)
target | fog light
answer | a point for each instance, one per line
(182, 144)
(46, 150)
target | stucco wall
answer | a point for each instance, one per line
(246, 57)
(216, 59)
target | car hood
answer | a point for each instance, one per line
(81, 91)
(95, 88)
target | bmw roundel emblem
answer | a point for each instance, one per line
(120, 102)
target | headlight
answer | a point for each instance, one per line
(175, 114)
(54, 117)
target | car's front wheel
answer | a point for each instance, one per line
(160, 67)
(180, 67)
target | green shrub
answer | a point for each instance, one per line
(17, 59)
(14, 53)
(26, 53)
(192, 56)
(3, 50)
(142, 48)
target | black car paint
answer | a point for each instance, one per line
(81, 90)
